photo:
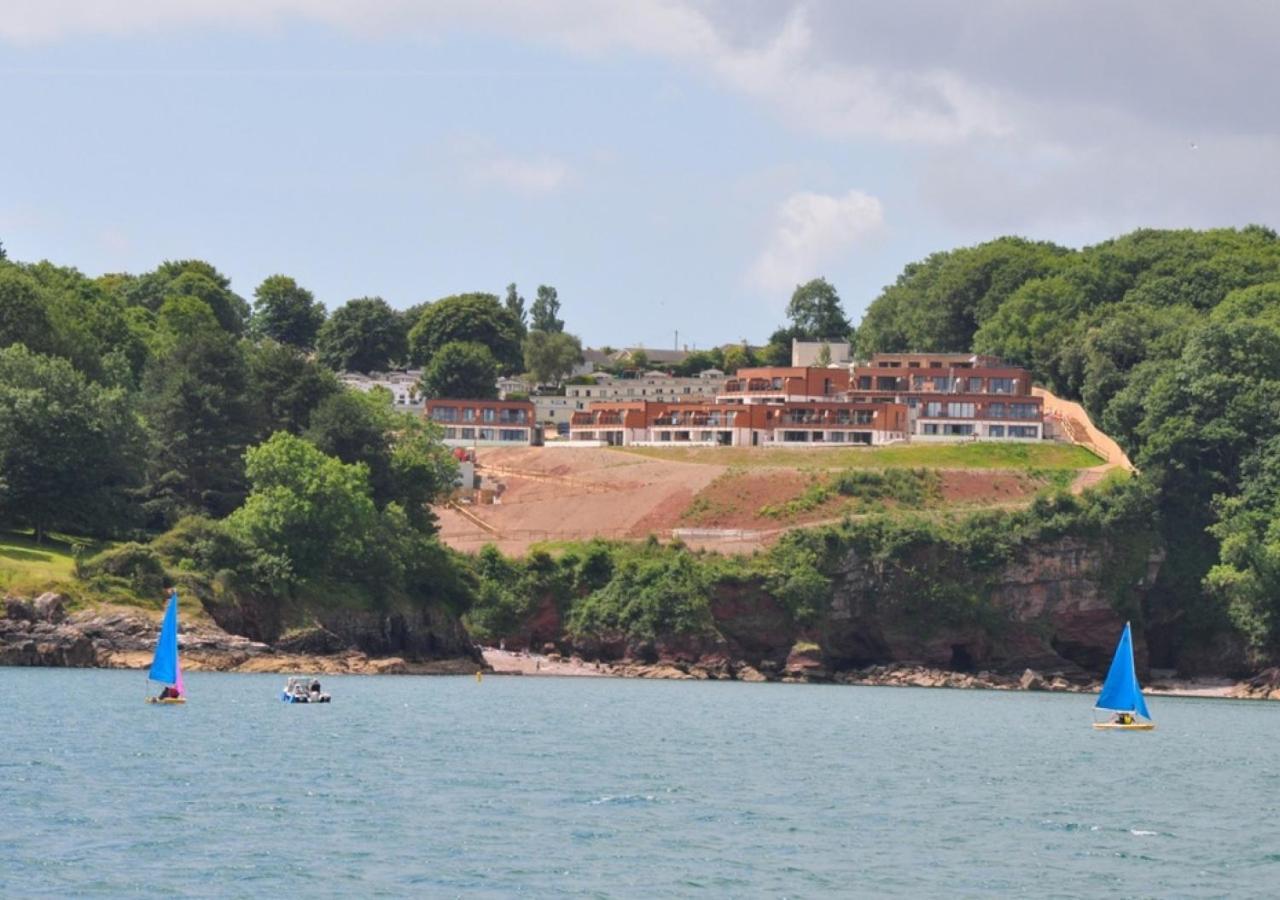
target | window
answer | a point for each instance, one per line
(468, 415)
(941, 382)
(995, 431)
(468, 434)
(860, 437)
(1022, 411)
(511, 434)
(933, 409)
(960, 410)
(777, 384)
(917, 382)
(975, 385)
(444, 414)
(996, 411)
(914, 364)
(864, 382)
(1000, 385)
(956, 430)
(863, 416)
(488, 414)
(1024, 431)
(798, 437)
(886, 383)
(450, 433)
(486, 434)
(837, 437)
(929, 428)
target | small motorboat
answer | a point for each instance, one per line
(303, 689)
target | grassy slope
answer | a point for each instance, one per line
(974, 455)
(26, 565)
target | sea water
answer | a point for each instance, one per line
(412, 786)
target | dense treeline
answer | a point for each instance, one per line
(164, 404)
(1171, 339)
(132, 405)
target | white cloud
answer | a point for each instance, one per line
(780, 67)
(812, 230)
(527, 176)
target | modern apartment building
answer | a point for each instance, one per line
(793, 423)
(781, 384)
(494, 423)
(954, 396)
(650, 386)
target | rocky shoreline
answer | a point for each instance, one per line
(504, 662)
(41, 632)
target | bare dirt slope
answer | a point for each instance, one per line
(558, 494)
(554, 493)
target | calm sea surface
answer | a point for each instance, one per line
(600, 787)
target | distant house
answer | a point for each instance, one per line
(402, 385)
(592, 361)
(513, 386)
(806, 353)
(495, 423)
(661, 357)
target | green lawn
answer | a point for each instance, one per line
(973, 455)
(24, 564)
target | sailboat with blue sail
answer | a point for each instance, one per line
(1121, 694)
(166, 668)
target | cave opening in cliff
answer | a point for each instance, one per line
(961, 659)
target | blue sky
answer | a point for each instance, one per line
(667, 166)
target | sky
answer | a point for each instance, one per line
(673, 168)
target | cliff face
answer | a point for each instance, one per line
(1057, 607)
(40, 633)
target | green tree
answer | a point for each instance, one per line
(468, 318)
(406, 461)
(362, 335)
(190, 278)
(461, 370)
(550, 356)
(286, 387)
(514, 304)
(199, 416)
(69, 448)
(309, 510)
(287, 313)
(23, 319)
(736, 357)
(824, 355)
(815, 312)
(542, 314)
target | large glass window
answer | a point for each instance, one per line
(995, 431)
(486, 434)
(975, 385)
(468, 434)
(1001, 385)
(995, 411)
(960, 410)
(1024, 431)
(444, 414)
(864, 382)
(957, 430)
(933, 409)
(488, 414)
(1022, 410)
(929, 428)
(511, 434)
(941, 382)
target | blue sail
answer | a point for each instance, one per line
(1120, 692)
(164, 667)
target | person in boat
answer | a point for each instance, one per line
(1122, 718)
(168, 693)
(315, 687)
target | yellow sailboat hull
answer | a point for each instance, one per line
(167, 700)
(1116, 726)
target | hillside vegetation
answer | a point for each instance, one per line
(974, 455)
